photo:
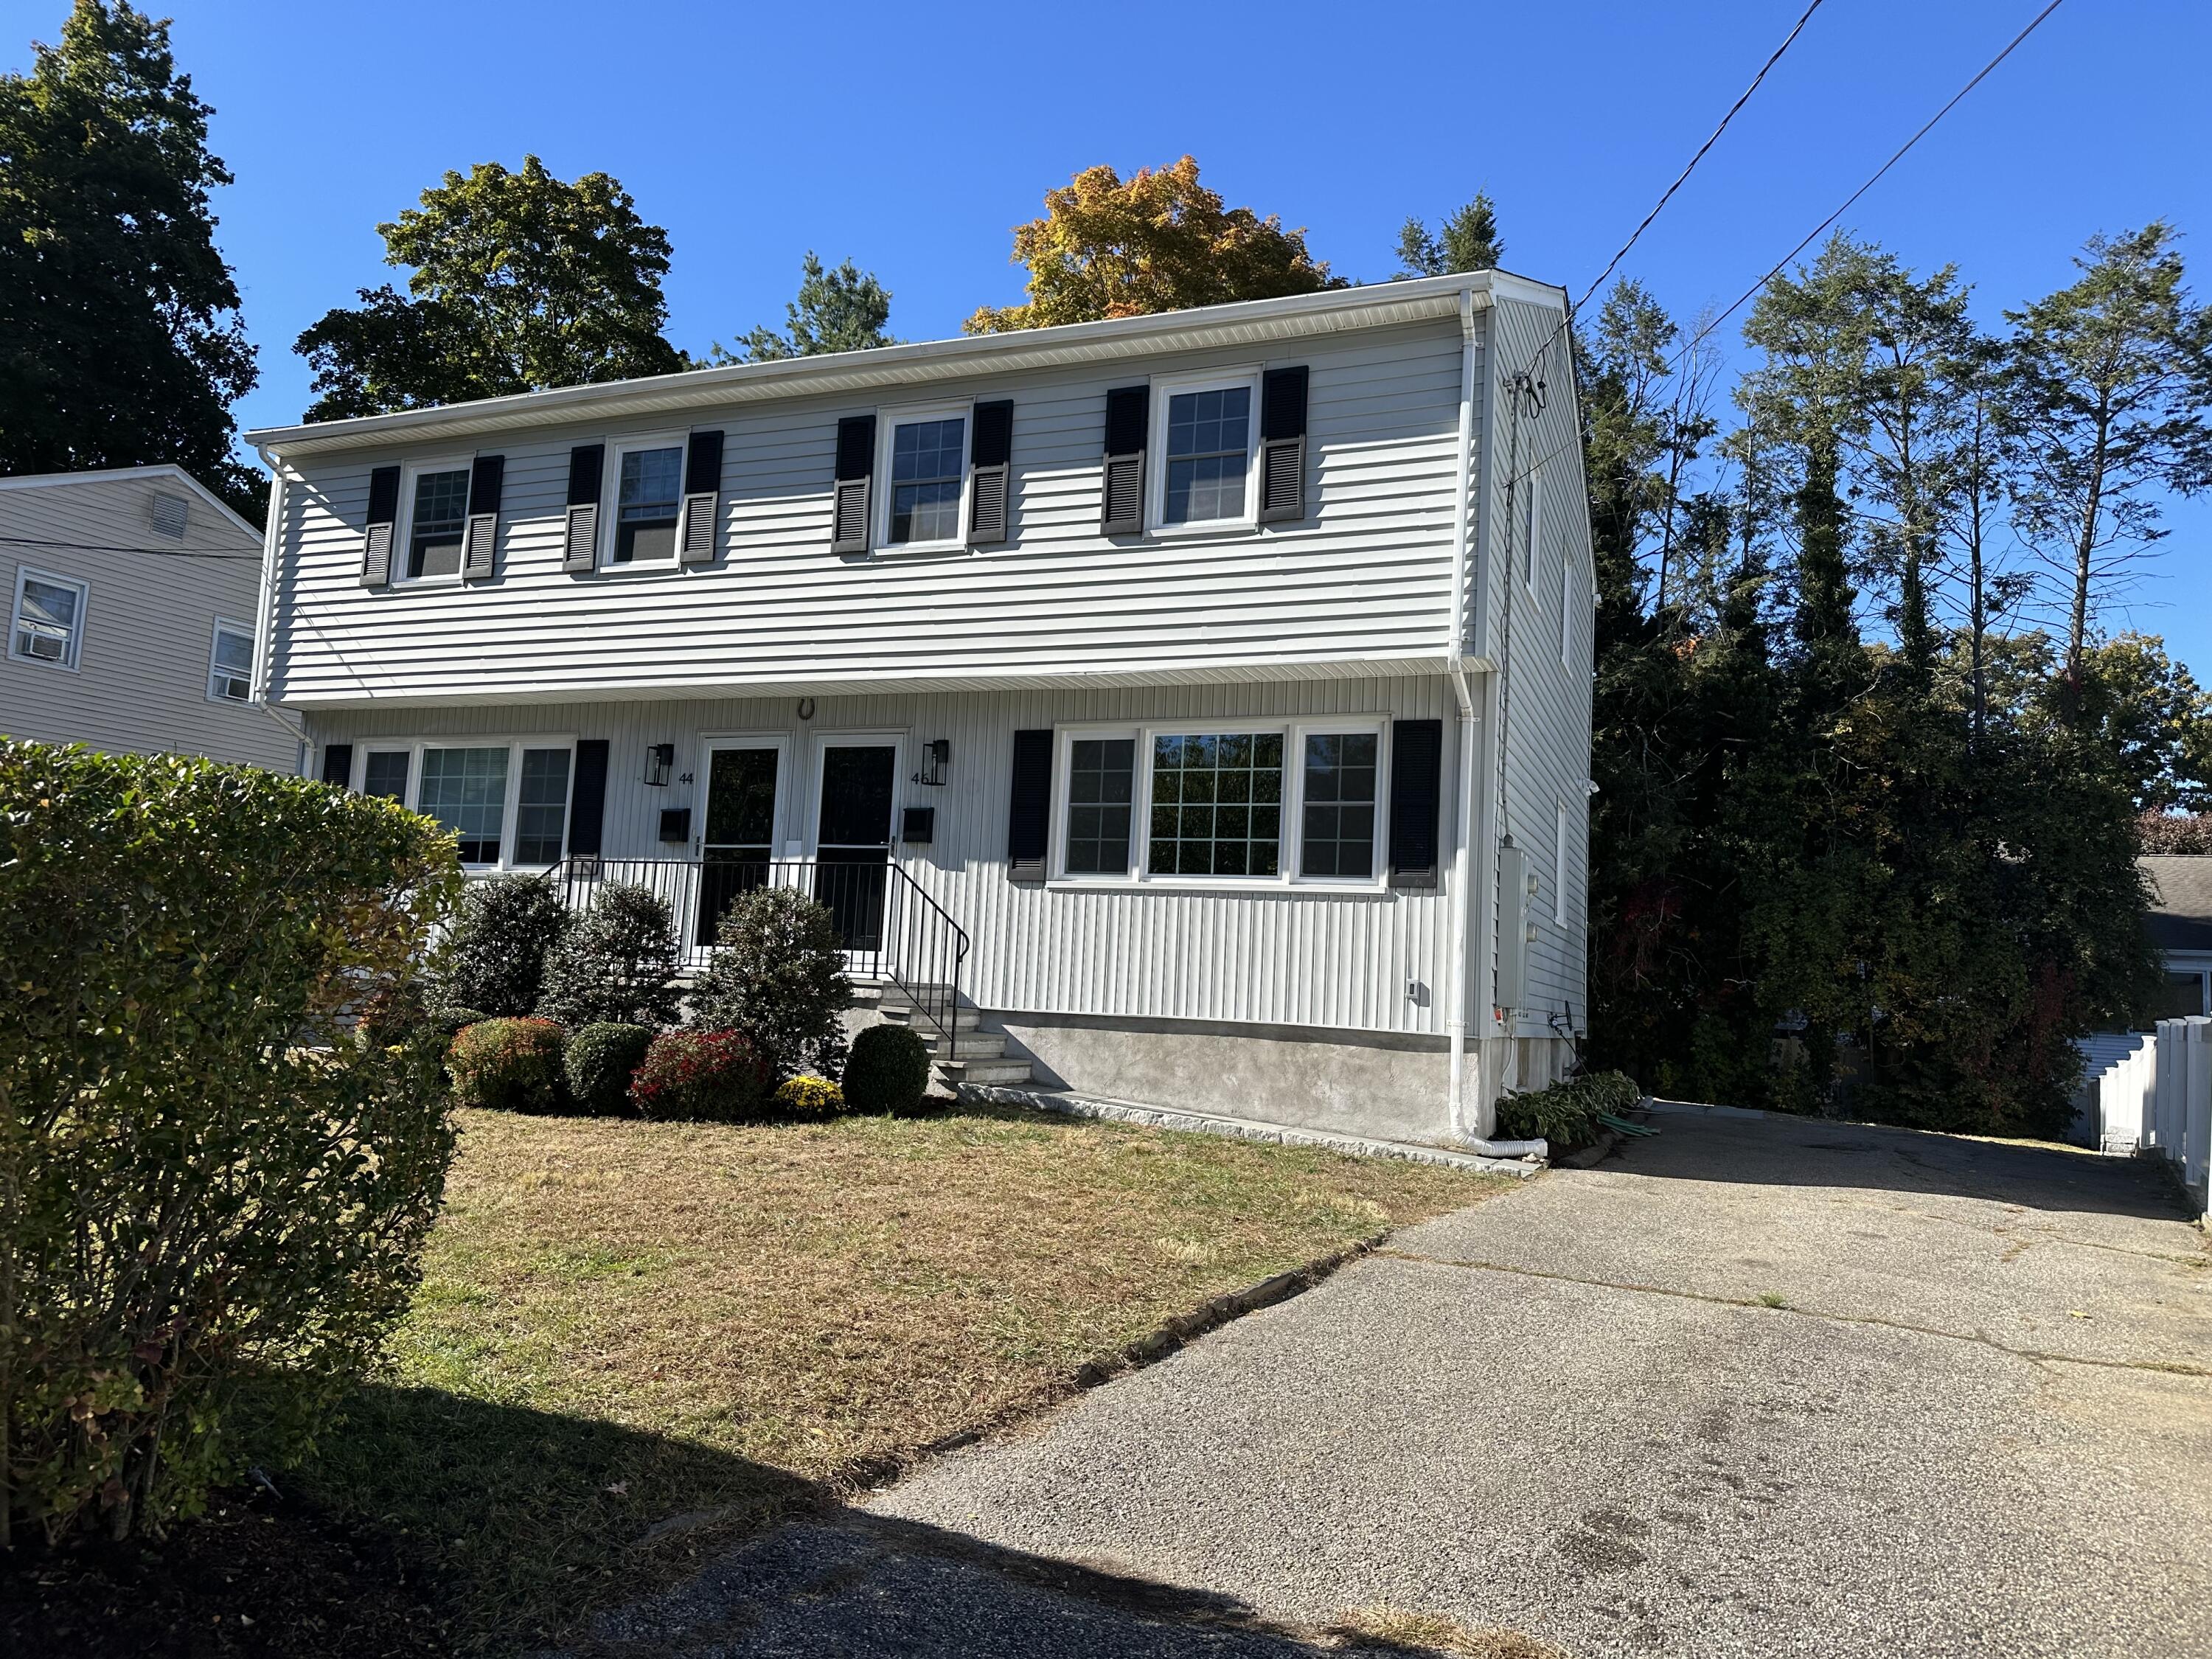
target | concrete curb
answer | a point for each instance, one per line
(1283, 1134)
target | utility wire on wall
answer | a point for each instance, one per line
(151, 552)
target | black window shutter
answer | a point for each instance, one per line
(1029, 817)
(1283, 444)
(486, 480)
(856, 460)
(586, 465)
(337, 764)
(703, 494)
(990, 461)
(587, 799)
(1416, 778)
(376, 539)
(1127, 409)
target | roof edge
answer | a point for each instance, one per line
(153, 470)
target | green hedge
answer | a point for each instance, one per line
(509, 1066)
(888, 1070)
(205, 1179)
(601, 1060)
(1566, 1114)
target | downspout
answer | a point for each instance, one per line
(1463, 777)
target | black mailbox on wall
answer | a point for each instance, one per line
(675, 823)
(919, 823)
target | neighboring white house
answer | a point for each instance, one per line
(2180, 923)
(1211, 688)
(133, 595)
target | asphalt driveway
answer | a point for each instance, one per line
(1758, 1386)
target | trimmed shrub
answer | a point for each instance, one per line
(888, 1070)
(618, 963)
(1566, 1113)
(809, 1096)
(495, 960)
(601, 1059)
(191, 1218)
(707, 1076)
(509, 1066)
(778, 977)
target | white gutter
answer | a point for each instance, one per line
(1463, 779)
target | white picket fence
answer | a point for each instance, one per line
(2155, 1099)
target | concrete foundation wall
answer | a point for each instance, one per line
(1384, 1087)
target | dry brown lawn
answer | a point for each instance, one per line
(635, 1341)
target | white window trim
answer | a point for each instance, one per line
(413, 748)
(779, 812)
(403, 542)
(222, 625)
(1156, 451)
(888, 420)
(611, 503)
(73, 657)
(1294, 733)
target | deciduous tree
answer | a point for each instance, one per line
(1158, 242)
(120, 339)
(519, 281)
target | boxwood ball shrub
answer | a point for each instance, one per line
(209, 1185)
(509, 1066)
(704, 1076)
(600, 1061)
(1566, 1114)
(617, 963)
(888, 1070)
(778, 977)
(495, 960)
(809, 1096)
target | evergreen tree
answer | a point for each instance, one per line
(120, 340)
(1466, 240)
(520, 282)
(842, 310)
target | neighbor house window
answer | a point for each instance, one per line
(648, 489)
(1208, 433)
(230, 668)
(1339, 805)
(465, 790)
(541, 807)
(928, 477)
(1102, 776)
(1216, 805)
(49, 619)
(385, 774)
(438, 515)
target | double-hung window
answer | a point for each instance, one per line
(49, 619)
(437, 518)
(506, 802)
(648, 500)
(1206, 439)
(1262, 803)
(230, 665)
(924, 464)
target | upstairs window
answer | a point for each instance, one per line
(49, 619)
(440, 514)
(648, 492)
(230, 666)
(921, 468)
(1209, 442)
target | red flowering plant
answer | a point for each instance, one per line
(716, 1076)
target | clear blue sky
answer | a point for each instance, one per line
(912, 137)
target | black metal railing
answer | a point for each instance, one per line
(890, 928)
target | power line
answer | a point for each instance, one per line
(1874, 178)
(151, 552)
(1614, 262)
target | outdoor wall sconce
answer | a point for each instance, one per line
(659, 758)
(936, 756)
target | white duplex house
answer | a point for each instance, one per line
(1189, 710)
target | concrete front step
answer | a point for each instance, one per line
(974, 1044)
(993, 1073)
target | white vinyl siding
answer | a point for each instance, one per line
(1362, 583)
(143, 661)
